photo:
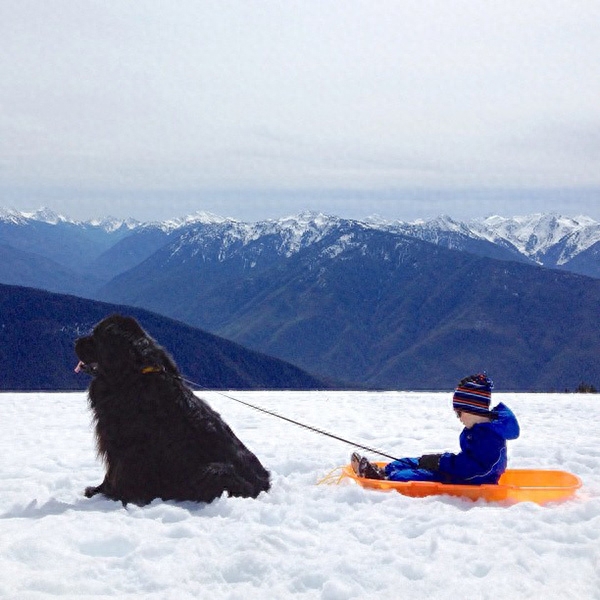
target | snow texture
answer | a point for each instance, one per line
(300, 540)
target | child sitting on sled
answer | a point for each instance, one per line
(482, 458)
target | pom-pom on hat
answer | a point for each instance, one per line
(474, 394)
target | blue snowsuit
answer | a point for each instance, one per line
(482, 458)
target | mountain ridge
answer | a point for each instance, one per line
(547, 239)
(373, 306)
(375, 303)
(38, 330)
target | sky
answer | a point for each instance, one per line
(404, 109)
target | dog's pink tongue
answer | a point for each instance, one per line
(79, 365)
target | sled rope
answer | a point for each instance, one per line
(333, 477)
(304, 425)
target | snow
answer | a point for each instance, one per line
(9, 215)
(45, 215)
(534, 235)
(289, 234)
(49, 217)
(294, 232)
(112, 224)
(300, 540)
(198, 218)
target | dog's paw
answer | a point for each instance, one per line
(91, 491)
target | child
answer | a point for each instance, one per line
(482, 458)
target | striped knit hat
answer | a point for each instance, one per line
(474, 394)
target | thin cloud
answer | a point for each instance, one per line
(339, 95)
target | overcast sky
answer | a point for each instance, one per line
(255, 109)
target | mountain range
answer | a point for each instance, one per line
(373, 303)
(54, 252)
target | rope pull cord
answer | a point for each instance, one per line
(305, 426)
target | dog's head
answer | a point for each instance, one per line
(118, 345)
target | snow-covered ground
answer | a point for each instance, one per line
(301, 539)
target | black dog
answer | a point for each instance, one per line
(157, 439)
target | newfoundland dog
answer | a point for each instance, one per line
(156, 438)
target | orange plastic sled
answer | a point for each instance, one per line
(515, 485)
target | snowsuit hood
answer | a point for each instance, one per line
(505, 423)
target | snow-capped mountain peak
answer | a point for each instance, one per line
(111, 224)
(550, 240)
(50, 217)
(43, 215)
(537, 234)
(46, 215)
(8, 215)
(197, 218)
(303, 229)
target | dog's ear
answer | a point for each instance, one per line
(119, 341)
(119, 325)
(127, 347)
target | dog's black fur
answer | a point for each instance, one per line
(157, 439)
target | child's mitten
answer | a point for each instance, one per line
(431, 462)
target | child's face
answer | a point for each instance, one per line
(469, 419)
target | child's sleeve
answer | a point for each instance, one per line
(481, 453)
